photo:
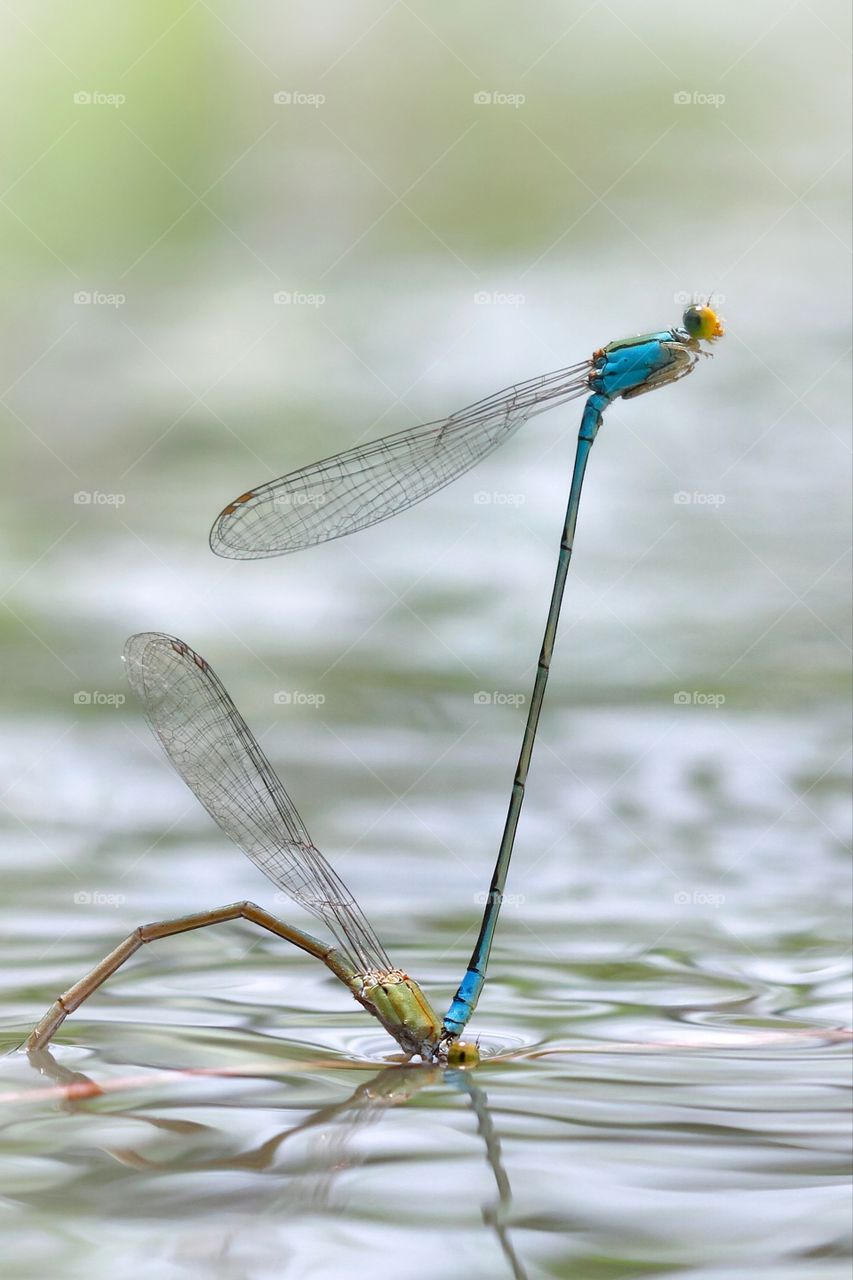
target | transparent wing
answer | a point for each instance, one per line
(214, 751)
(372, 482)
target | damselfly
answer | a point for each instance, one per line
(215, 752)
(373, 482)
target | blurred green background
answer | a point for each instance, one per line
(237, 238)
(152, 170)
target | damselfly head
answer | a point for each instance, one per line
(462, 1053)
(701, 321)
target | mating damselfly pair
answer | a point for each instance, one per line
(210, 745)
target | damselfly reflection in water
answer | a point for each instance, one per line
(336, 1127)
(373, 482)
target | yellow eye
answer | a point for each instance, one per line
(703, 322)
(462, 1054)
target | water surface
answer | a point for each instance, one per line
(665, 1062)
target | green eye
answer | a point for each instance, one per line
(692, 320)
(703, 322)
(462, 1054)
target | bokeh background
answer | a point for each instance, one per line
(236, 238)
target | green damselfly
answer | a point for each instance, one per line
(215, 752)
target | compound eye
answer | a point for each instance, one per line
(692, 320)
(703, 322)
(462, 1054)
